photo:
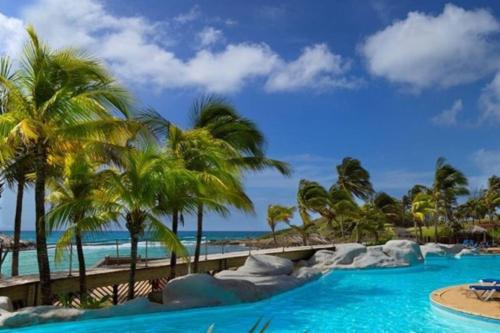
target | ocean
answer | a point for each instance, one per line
(98, 245)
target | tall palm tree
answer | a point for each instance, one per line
(343, 206)
(355, 179)
(422, 206)
(449, 183)
(136, 188)
(78, 205)
(311, 198)
(56, 98)
(16, 172)
(276, 214)
(223, 122)
(220, 184)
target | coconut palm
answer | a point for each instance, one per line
(491, 196)
(343, 206)
(311, 198)
(354, 179)
(422, 206)
(370, 220)
(54, 99)
(449, 183)
(224, 123)
(276, 214)
(78, 206)
(220, 184)
(136, 188)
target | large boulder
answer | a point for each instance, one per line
(343, 255)
(375, 257)
(198, 290)
(6, 304)
(406, 252)
(262, 264)
(440, 250)
(38, 315)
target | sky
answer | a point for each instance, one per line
(396, 84)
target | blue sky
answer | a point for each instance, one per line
(395, 84)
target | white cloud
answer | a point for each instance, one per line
(11, 35)
(189, 16)
(209, 36)
(316, 67)
(422, 50)
(448, 117)
(132, 49)
(489, 100)
(488, 164)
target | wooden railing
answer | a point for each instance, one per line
(150, 276)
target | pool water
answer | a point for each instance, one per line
(381, 300)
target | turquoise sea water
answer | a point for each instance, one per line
(101, 244)
(382, 300)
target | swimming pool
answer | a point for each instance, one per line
(382, 300)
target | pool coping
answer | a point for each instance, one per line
(435, 301)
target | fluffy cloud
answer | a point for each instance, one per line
(448, 117)
(136, 51)
(316, 67)
(209, 36)
(490, 100)
(422, 50)
(11, 35)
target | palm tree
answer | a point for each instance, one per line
(388, 205)
(78, 205)
(311, 197)
(343, 206)
(354, 179)
(449, 183)
(422, 206)
(491, 196)
(16, 173)
(56, 98)
(224, 123)
(276, 214)
(136, 189)
(371, 219)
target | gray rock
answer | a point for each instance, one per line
(262, 264)
(406, 251)
(6, 304)
(438, 249)
(375, 257)
(197, 290)
(343, 255)
(38, 315)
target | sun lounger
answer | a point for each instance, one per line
(484, 293)
(492, 281)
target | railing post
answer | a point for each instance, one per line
(206, 249)
(146, 253)
(117, 250)
(115, 294)
(70, 270)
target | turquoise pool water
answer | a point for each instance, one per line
(382, 300)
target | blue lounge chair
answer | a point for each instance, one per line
(492, 281)
(484, 293)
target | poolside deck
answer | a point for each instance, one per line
(459, 298)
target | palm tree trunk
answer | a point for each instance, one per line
(173, 256)
(341, 220)
(41, 237)
(415, 229)
(134, 240)
(199, 234)
(436, 231)
(17, 225)
(274, 236)
(81, 265)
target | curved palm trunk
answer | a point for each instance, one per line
(17, 225)
(415, 229)
(199, 234)
(341, 220)
(173, 256)
(134, 240)
(81, 265)
(41, 237)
